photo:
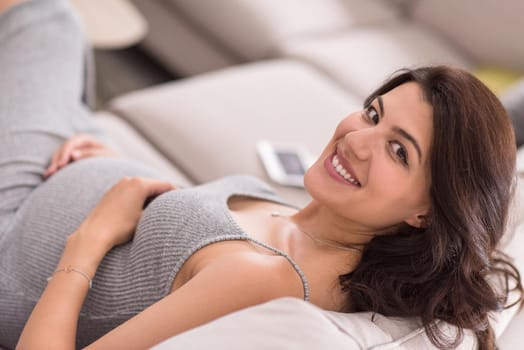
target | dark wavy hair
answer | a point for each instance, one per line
(443, 271)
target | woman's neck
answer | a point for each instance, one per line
(324, 225)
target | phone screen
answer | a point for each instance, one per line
(291, 163)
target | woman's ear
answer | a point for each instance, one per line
(419, 220)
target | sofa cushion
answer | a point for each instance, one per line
(176, 44)
(487, 30)
(131, 145)
(513, 246)
(290, 323)
(512, 336)
(361, 58)
(209, 125)
(253, 29)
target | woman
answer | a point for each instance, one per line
(410, 199)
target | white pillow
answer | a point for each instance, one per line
(290, 323)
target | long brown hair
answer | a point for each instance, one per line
(442, 271)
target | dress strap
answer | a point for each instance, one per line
(291, 261)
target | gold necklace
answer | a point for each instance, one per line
(277, 214)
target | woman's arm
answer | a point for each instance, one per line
(229, 283)
(52, 324)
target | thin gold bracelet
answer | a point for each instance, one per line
(69, 269)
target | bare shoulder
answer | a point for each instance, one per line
(265, 276)
(228, 283)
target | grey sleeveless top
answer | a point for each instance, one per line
(132, 276)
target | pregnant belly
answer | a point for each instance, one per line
(33, 245)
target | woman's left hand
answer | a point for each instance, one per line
(116, 216)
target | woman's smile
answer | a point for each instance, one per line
(340, 170)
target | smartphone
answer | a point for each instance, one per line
(285, 163)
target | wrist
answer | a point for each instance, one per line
(83, 252)
(95, 239)
(72, 269)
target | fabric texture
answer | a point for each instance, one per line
(42, 57)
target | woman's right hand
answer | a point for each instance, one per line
(113, 221)
(75, 148)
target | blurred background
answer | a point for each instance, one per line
(356, 43)
(140, 43)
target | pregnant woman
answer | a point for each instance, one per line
(410, 201)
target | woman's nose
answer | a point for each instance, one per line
(360, 143)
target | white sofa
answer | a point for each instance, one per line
(289, 70)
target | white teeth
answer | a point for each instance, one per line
(343, 172)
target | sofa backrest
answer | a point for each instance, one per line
(252, 29)
(490, 31)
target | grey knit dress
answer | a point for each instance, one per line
(42, 95)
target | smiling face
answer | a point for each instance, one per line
(375, 171)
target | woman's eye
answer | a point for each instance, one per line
(400, 152)
(372, 114)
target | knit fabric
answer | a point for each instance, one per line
(42, 84)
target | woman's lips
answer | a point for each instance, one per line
(347, 166)
(336, 175)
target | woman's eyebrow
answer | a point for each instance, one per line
(401, 131)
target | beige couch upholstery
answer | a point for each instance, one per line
(214, 34)
(311, 64)
(130, 144)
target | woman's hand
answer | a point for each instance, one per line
(53, 322)
(114, 220)
(77, 147)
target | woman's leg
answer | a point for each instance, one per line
(42, 70)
